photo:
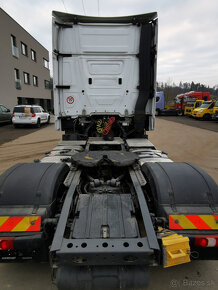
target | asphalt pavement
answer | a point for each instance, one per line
(210, 125)
(9, 133)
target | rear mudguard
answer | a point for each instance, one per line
(34, 185)
(181, 188)
(27, 191)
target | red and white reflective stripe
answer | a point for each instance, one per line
(206, 241)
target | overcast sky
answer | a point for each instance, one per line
(188, 30)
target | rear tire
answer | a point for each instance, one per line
(38, 125)
(180, 113)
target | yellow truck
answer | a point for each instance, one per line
(191, 106)
(206, 110)
(215, 112)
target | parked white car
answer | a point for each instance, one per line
(29, 115)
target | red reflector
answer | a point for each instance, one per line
(6, 243)
(208, 241)
(33, 114)
(201, 242)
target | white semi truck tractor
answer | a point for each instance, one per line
(105, 205)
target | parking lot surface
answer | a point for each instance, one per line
(210, 125)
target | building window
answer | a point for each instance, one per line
(35, 81)
(33, 55)
(47, 84)
(17, 79)
(26, 77)
(24, 50)
(45, 63)
(13, 40)
(14, 48)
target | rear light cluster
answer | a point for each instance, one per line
(33, 115)
(6, 243)
(13, 115)
(206, 241)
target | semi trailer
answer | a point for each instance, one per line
(105, 205)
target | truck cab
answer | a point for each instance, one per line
(205, 111)
(192, 105)
(110, 70)
(105, 205)
(160, 102)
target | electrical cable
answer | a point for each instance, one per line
(84, 7)
(64, 6)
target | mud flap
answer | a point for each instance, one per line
(102, 277)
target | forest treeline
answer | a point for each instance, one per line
(170, 89)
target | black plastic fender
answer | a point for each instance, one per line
(31, 185)
(181, 188)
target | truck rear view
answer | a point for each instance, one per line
(105, 205)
